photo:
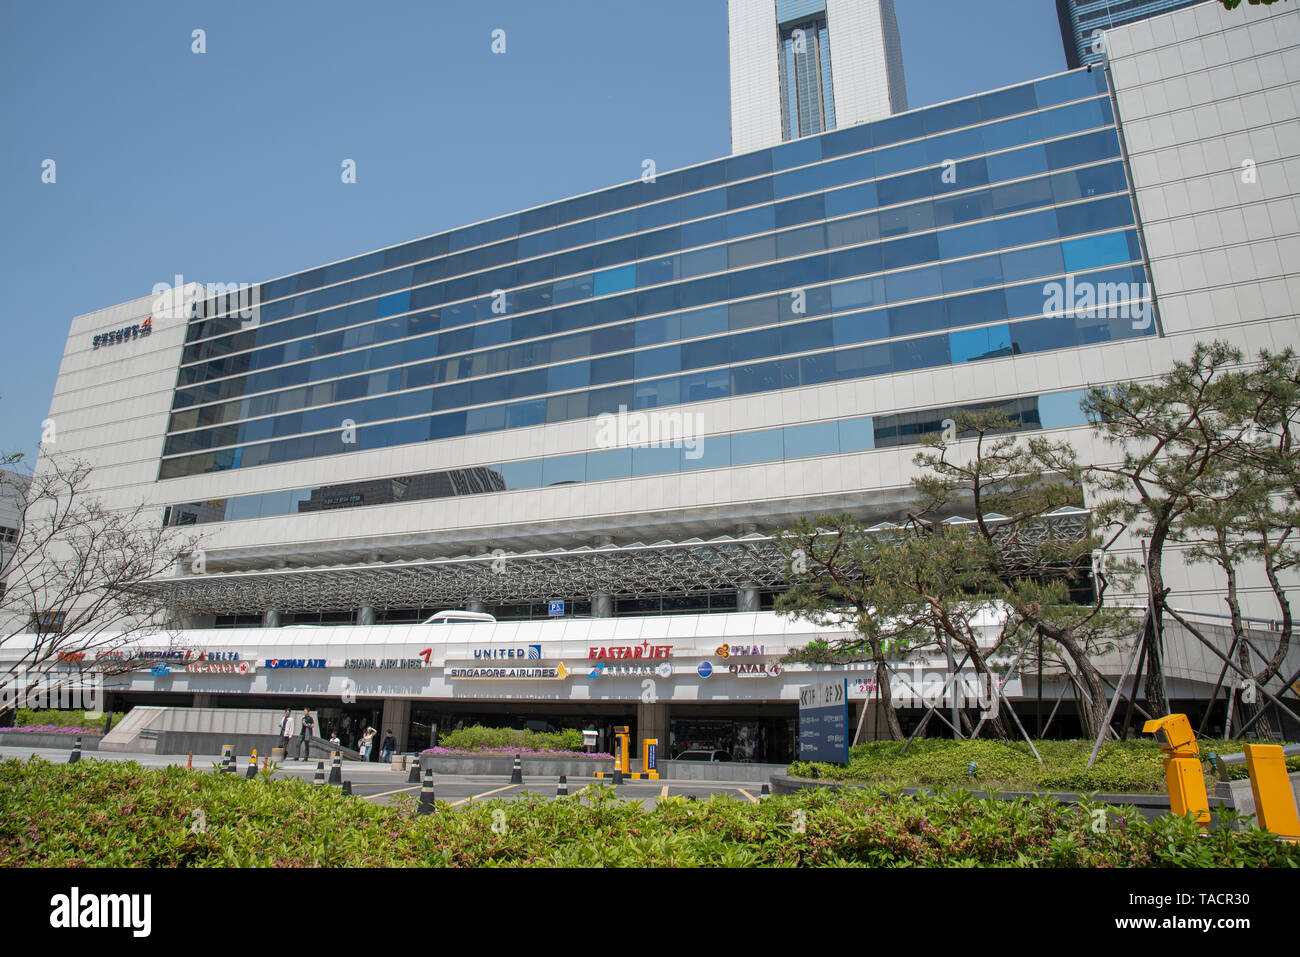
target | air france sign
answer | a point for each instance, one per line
(824, 721)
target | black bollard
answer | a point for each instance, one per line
(252, 767)
(765, 793)
(426, 792)
(517, 773)
(336, 767)
(320, 774)
(562, 789)
(347, 787)
(75, 756)
(414, 776)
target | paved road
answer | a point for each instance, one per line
(380, 784)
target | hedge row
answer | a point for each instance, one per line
(117, 814)
(477, 738)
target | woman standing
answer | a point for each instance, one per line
(367, 742)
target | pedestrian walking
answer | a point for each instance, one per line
(304, 739)
(286, 731)
(388, 747)
(367, 742)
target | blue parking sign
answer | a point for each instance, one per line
(555, 608)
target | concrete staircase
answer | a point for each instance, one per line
(151, 730)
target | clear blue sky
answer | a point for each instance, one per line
(224, 167)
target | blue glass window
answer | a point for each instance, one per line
(658, 362)
(1030, 228)
(563, 469)
(755, 345)
(609, 464)
(748, 448)
(660, 214)
(840, 202)
(954, 146)
(854, 169)
(652, 272)
(703, 261)
(1081, 150)
(918, 317)
(655, 460)
(520, 475)
(1032, 263)
(749, 194)
(977, 308)
(914, 284)
(707, 452)
(804, 441)
(747, 165)
(798, 182)
(614, 280)
(1070, 86)
(619, 224)
(861, 327)
(857, 435)
(896, 159)
(1095, 216)
(797, 153)
(1019, 99)
(863, 361)
(699, 205)
(910, 251)
(1091, 252)
(1042, 335)
(760, 220)
(803, 210)
(394, 303)
(658, 393)
(920, 353)
(705, 352)
(806, 336)
(855, 295)
(968, 240)
(853, 262)
(972, 273)
(969, 345)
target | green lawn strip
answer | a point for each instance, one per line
(1133, 767)
(117, 814)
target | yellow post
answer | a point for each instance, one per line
(650, 759)
(1274, 800)
(623, 748)
(1183, 775)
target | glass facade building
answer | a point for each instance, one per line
(1082, 19)
(807, 96)
(923, 240)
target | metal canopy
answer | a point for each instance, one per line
(639, 570)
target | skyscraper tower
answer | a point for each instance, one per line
(800, 67)
(1082, 19)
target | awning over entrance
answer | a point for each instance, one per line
(638, 570)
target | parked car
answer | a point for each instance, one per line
(704, 756)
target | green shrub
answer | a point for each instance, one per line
(117, 814)
(1121, 766)
(476, 737)
(63, 719)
